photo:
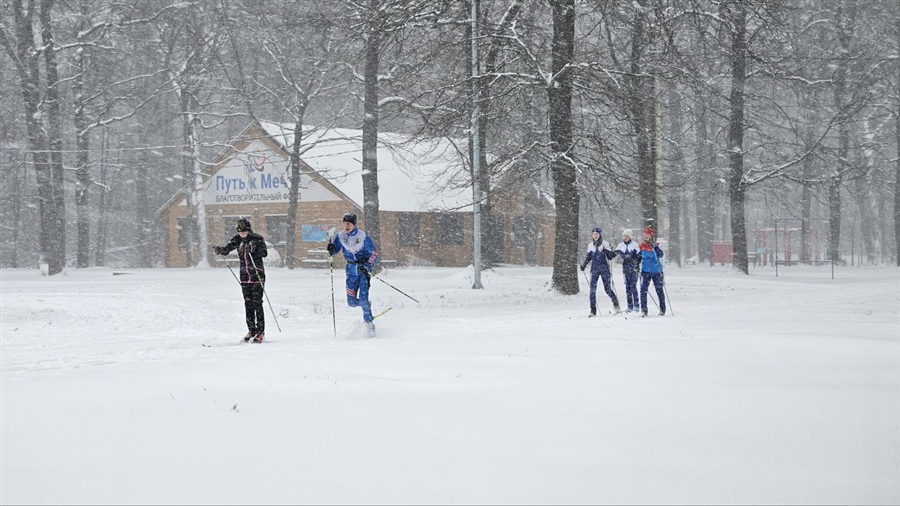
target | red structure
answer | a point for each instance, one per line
(722, 252)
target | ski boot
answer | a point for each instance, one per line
(370, 329)
(250, 335)
(593, 312)
(662, 312)
(260, 337)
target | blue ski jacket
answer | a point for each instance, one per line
(358, 248)
(651, 256)
(631, 255)
(599, 256)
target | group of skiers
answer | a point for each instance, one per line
(361, 255)
(644, 258)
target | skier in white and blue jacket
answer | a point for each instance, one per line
(651, 269)
(361, 255)
(599, 253)
(631, 261)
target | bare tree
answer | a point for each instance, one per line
(304, 47)
(191, 39)
(45, 149)
(559, 95)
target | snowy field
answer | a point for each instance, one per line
(122, 389)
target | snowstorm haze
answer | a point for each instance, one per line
(712, 121)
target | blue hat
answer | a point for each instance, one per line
(598, 230)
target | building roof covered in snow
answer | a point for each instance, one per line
(414, 175)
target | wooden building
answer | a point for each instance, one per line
(425, 216)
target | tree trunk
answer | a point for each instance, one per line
(868, 223)
(144, 213)
(687, 233)
(807, 174)
(28, 70)
(187, 169)
(737, 187)
(834, 192)
(705, 191)
(897, 179)
(491, 241)
(57, 246)
(18, 185)
(897, 139)
(290, 246)
(104, 204)
(844, 23)
(371, 205)
(642, 117)
(805, 216)
(675, 178)
(834, 219)
(202, 233)
(559, 92)
(82, 171)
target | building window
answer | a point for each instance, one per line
(276, 229)
(524, 230)
(449, 227)
(182, 235)
(409, 229)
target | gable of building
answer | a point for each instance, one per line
(256, 169)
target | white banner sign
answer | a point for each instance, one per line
(258, 174)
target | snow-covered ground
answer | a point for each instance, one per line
(131, 389)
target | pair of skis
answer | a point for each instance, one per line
(643, 315)
(252, 342)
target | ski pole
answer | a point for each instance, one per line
(662, 279)
(265, 293)
(394, 287)
(331, 232)
(612, 282)
(230, 269)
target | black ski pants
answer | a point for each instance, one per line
(253, 304)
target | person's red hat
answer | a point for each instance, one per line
(648, 230)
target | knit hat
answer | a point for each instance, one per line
(243, 224)
(598, 230)
(626, 232)
(648, 230)
(350, 218)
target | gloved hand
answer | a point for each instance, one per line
(331, 247)
(363, 268)
(583, 267)
(219, 250)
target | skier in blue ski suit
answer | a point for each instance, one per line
(631, 261)
(598, 255)
(651, 269)
(361, 255)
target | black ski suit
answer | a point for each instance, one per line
(251, 251)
